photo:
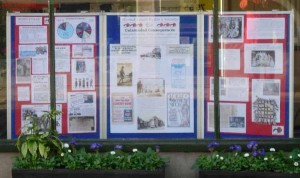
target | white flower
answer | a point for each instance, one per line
(221, 158)
(66, 145)
(296, 164)
(291, 157)
(112, 152)
(272, 149)
(69, 151)
(246, 155)
(266, 159)
(217, 156)
(298, 155)
(62, 154)
(134, 150)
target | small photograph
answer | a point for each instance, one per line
(237, 122)
(88, 99)
(261, 58)
(124, 74)
(151, 87)
(80, 67)
(271, 88)
(230, 28)
(153, 53)
(151, 123)
(23, 70)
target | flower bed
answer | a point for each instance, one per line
(252, 159)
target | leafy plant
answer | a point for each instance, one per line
(72, 157)
(34, 144)
(254, 158)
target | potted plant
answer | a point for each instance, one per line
(43, 154)
(254, 162)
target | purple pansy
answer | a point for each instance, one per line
(95, 146)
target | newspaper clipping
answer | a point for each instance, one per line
(122, 108)
(81, 112)
(232, 117)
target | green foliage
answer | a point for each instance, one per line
(34, 144)
(254, 158)
(80, 159)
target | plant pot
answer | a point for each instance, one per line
(244, 174)
(66, 173)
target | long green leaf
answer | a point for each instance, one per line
(32, 147)
(42, 150)
(24, 149)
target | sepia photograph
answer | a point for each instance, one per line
(124, 74)
(152, 87)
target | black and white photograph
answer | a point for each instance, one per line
(149, 123)
(237, 122)
(80, 66)
(23, 70)
(230, 28)
(271, 88)
(263, 58)
(155, 53)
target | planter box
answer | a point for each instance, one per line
(244, 174)
(66, 173)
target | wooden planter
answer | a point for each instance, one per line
(66, 173)
(244, 174)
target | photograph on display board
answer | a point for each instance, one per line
(150, 113)
(231, 28)
(23, 70)
(263, 58)
(37, 112)
(151, 87)
(178, 113)
(124, 75)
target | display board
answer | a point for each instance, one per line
(256, 74)
(76, 58)
(151, 64)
